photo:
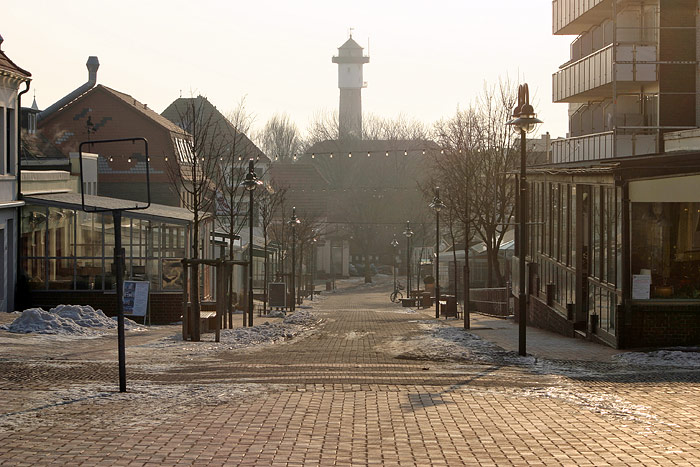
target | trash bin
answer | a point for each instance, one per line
(328, 285)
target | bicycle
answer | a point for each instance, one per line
(396, 295)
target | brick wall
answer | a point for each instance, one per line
(165, 307)
(490, 301)
(542, 316)
(659, 325)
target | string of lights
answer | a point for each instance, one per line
(312, 155)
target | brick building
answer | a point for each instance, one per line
(104, 113)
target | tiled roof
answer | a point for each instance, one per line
(37, 147)
(144, 109)
(307, 190)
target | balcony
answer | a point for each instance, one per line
(592, 76)
(578, 16)
(602, 146)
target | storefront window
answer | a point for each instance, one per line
(666, 247)
(63, 249)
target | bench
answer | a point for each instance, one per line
(408, 302)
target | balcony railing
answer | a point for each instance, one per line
(590, 76)
(602, 146)
(577, 16)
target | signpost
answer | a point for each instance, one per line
(119, 254)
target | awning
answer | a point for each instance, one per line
(666, 190)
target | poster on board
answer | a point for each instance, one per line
(136, 298)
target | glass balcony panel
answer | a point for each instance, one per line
(575, 16)
(600, 146)
(592, 75)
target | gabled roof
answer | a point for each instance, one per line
(143, 108)
(244, 146)
(9, 66)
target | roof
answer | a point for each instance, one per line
(37, 147)
(287, 174)
(350, 44)
(169, 214)
(9, 66)
(307, 190)
(242, 145)
(143, 108)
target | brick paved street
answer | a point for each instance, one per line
(352, 392)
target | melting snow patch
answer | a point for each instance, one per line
(67, 320)
(447, 343)
(667, 358)
(293, 325)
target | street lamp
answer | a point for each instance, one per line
(394, 243)
(250, 183)
(437, 205)
(524, 121)
(408, 233)
(293, 222)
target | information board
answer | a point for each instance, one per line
(277, 294)
(136, 298)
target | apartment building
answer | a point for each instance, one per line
(630, 77)
(614, 220)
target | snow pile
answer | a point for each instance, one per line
(667, 358)
(69, 320)
(268, 333)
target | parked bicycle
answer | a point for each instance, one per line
(396, 295)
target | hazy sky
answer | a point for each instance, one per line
(426, 58)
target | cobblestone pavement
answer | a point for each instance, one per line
(339, 396)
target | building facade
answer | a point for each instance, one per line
(612, 254)
(11, 79)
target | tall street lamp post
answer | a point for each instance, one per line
(524, 121)
(437, 205)
(394, 244)
(408, 233)
(293, 222)
(250, 183)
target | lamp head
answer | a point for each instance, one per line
(294, 221)
(524, 116)
(251, 181)
(408, 232)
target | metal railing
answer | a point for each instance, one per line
(602, 146)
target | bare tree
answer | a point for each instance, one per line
(477, 154)
(232, 206)
(269, 201)
(280, 138)
(193, 176)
